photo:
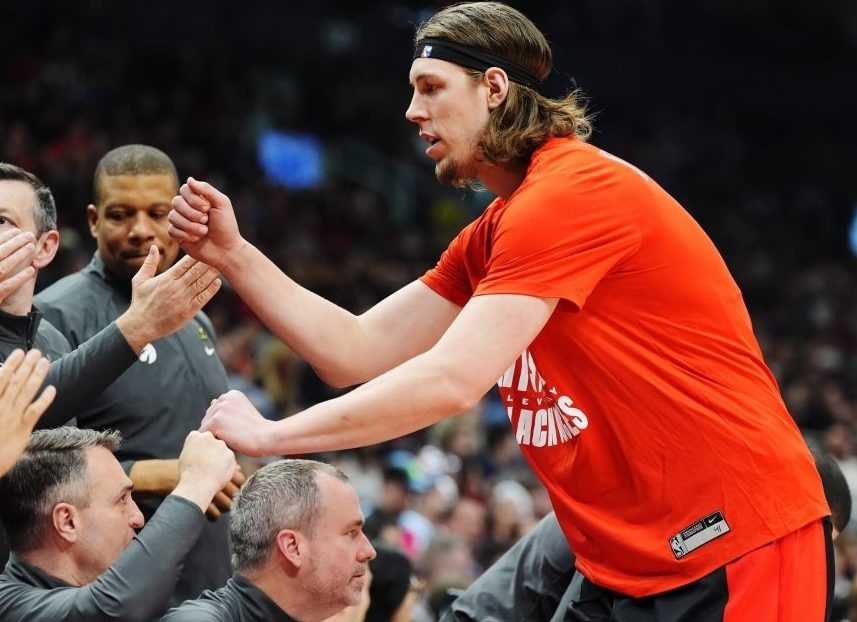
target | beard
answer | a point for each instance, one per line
(454, 172)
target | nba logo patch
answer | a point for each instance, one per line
(426, 52)
(701, 532)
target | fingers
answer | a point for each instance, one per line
(21, 377)
(200, 279)
(222, 501)
(189, 268)
(209, 421)
(150, 264)
(28, 379)
(207, 294)
(16, 254)
(207, 192)
(7, 370)
(186, 222)
(181, 267)
(12, 283)
(15, 245)
(38, 407)
(232, 487)
(212, 513)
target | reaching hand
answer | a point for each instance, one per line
(162, 304)
(21, 376)
(234, 419)
(207, 468)
(203, 222)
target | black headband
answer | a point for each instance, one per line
(474, 58)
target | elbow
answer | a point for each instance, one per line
(462, 397)
(337, 378)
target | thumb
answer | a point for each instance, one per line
(150, 265)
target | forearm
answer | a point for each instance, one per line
(409, 398)
(139, 584)
(156, 477)
(200, 491)
(85, 372)
(326, 336)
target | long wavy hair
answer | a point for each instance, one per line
(526, 119)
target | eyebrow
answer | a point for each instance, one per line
(423, 75)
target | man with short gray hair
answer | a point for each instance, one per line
(299, 549)
(71, 523)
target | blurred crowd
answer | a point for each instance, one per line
(741, 112)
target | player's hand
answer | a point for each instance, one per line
(233, 418)
(162, 304)
(203, 222)
(21, 377)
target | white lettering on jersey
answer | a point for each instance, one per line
(541, 419)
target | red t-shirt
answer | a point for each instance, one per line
(644, 404)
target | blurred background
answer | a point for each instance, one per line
(742, 110)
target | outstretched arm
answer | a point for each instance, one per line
(488, 335)
(343, 348)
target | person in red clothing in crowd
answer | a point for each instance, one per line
(625, 354)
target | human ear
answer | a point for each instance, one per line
(92, 219)
(498, 86)
(46, 248)
(290, 546)
(65, 521)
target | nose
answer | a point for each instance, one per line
(136, 520)
(142, 227)
(367, 552)
(415, 112)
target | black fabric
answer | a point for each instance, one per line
(474, 58)
(701, 601)
(831, 570)
(238, 601)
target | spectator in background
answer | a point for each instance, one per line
(157, 402)
(71, 521)
(382, 522)
(394, 590)
(300, 553)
